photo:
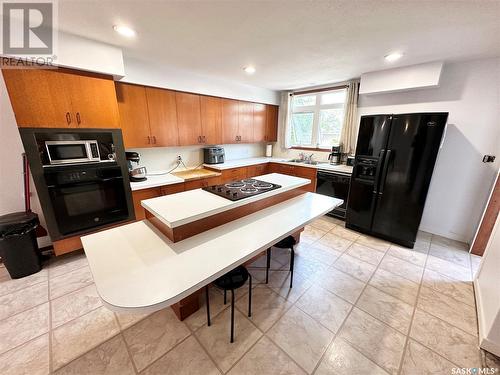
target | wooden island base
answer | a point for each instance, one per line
(191, 229)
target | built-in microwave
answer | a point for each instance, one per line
(70, 152)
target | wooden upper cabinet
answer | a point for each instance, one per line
(162, 111)
(188, 118)
(61, 98)
(134, 118)
(211, 119)
(259, 122)
(245, 122)
(94, 102)
(272, 123)
(230, 118)
(39, 97)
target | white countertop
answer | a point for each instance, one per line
(169, 179)
(178, 209)
(260, 160)
(144, 271)
(155, 181)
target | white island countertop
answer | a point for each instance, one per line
(144, 271)
(182, 208)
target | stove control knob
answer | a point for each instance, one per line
(218, 189)
(235, 194)
(228, 191)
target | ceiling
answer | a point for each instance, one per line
(291, 43)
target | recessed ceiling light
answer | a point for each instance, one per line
(249, 69)
(393, 56)
(124, 30)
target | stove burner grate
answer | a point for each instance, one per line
(249, 181)
(248, 190)
(262, 185)
(235, 185)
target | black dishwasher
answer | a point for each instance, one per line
(336, 185)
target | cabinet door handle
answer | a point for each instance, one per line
(78, 119)
(199, 139)
(205, 141)
(68, 118)
(149, 140)
(154, 139)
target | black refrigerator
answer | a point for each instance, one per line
(395, 157)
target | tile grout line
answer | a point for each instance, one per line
(86, 352)
(407, 338)
(345, 320)
(160, 357)
(127, 348)
(193, 333)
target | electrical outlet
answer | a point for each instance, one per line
(179, 158)
(488, 159)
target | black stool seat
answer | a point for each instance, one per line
(234, 279)
(286, 243)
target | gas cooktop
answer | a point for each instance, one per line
(241, 189)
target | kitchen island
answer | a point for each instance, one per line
(136, 268)
(143, 270)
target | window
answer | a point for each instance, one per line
(316, 119)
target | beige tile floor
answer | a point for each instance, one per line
(359, 305)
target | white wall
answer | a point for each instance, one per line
(11, 165)
(469, 91)
(76, 52)
(136, 71)
(405, 78)
(164, 158)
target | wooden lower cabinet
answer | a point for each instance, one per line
(257, 170)
(140, 195)
(201, 183)
(234, 174)
(297, 171)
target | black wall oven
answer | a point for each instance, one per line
(81, 178)
(86, 196)
(336, 185)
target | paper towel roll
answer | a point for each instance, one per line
(269, 150)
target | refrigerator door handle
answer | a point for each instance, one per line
(384, 172)
(377, 172)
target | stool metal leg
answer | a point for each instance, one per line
(249, 295)
(268, 264)
(224, 296)
(208, 305)
(232, 315)
(292, 260)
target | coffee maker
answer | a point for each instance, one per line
(135, 173)
(335, 156)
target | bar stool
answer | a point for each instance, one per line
(230, 281)
(286, 243)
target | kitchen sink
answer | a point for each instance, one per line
(310, 162)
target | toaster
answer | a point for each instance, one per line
(213, 155)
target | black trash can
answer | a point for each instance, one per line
(18, 246)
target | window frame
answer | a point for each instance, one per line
(316, 110)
